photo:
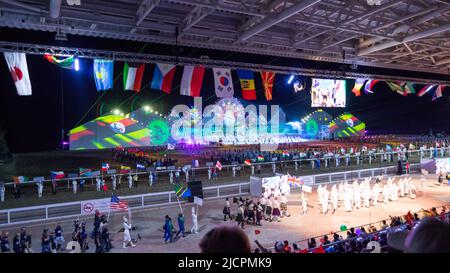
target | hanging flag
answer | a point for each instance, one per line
(117, 204)
(18, 179)
(369, 85)
(123, 167)
(17, 66)
(67, 62)
(438, 92)
(260, 158)
(105, 167)
(218, 166)
(103, 74)
(191, 82)
(285, 153)
(395, 87)
(223, 82)
(248, 162)
(163, 77)
(247, 84)
(408, 88)
(357, 87)
(182, 192)
(85, 172)
(132, 76)
(425, 90)
(267, 80)
(57, 174)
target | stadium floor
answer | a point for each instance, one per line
(149, 222)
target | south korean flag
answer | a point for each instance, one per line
(223, 83)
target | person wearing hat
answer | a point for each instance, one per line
(126, 233)
(429, 236)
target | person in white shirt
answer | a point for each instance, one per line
(262, 203)
(126, 233)
(347, 201)
(324, 200)
(240, 216)
(412, 189)
(269, 210)
(401, 187)
(114, 181)
(98, 183)
(394, 192)
(40, 186)
(341, 191)
(283, 204)
(366, 193)
(334, 197)
(304, 204)
(194, 228)
(276, 210)
(130, 181)
(375, 193)
(2, 192)
(74, 186)
(386, 194)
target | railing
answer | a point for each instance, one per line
(74, 209)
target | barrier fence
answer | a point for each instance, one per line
(75, 209)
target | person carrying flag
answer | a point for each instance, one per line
(126, 234)
(168, 230)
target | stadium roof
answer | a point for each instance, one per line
(399, 34)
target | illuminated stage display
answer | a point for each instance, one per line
(316, 124)
(347, 125)
(139, 128)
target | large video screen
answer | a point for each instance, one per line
(327, 93)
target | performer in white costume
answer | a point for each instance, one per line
(334, 197)
(366, 193)
(126, 233)
(194, 228)
(375, 193)
(412, 189)
(386, 194)
(304, 204)
(401, 187)
(114, 181)
(394, 192)
(341, 191)
(357, 195)
(130, 181)
(324, 200)
(347, 201)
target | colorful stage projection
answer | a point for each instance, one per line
(315, 125)
(139, 128)
(328, 93)
(347, 125)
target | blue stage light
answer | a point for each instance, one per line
(77, 64)
(291, 78)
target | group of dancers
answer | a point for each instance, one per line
(356, 195)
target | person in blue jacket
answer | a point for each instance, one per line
(180, 225)
(168, 227)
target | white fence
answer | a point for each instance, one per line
(74, 209)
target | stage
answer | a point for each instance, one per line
(298, 227)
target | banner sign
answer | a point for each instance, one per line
(90, 206)
(198, 201)
(111, 171)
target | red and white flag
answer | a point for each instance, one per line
(17, 66)
(191, 82)
(219, 166)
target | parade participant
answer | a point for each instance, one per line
(227, 210)
(304, 204)
(2, 192)
(4, 242)
(259, 214)
(334, 197)
(401, 187)
(367, 193)
(130, 180)
(135, 180)
(406, 186)
(262, 203)
(251, 212)
(181, 229)
(59, 238)
(126, 233)
(240, 216)
(40, 186)
(283, 204)
(45, 242)
(82, 238)
(194, 215)
(114, 181)
(276, 210)
(386, 194)
(412, 189)
(324, 200)
(74, 186)
(341, 191)
(375, 192)
(357, 194)
(105, 243)
(168, 229)
(394, 192)
(171, 178)
(16, 244)
(269, 209)
(347, 198)
(98, 183)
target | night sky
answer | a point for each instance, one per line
(34, 123)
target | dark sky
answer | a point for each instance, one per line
(34, 123)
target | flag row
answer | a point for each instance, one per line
(402, 88)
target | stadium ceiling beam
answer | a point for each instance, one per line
(24, 6)
(144, 10)
(273, 19)
(405, 27)
(217, 7)
(346, 22)
(36, 49)
(409, 38)
(195, 16)
(443, 61)
(55, 8)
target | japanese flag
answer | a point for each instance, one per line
(17, 66)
